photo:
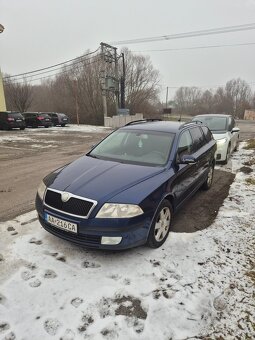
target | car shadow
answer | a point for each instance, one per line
(201, 210)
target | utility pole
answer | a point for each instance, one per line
(109, 74)
(103, 79)
(116, 71)
(166, 96)
(122, 83)
(76, 100)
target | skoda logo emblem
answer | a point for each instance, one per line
(65, 196)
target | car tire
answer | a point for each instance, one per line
(209, 179)
(227, 155)
(63, 125)
(22, 128)
(236, 147)
(160, 226)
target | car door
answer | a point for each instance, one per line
(54, 118)
(234, 136)
(201, 154)
(184, 182)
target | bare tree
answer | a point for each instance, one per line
(239, 95)
(187, 100)
(142, 83)
(80, 82)
(19, 96)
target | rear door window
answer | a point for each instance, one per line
(198, 138)
(207, 133)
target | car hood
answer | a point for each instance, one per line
(100, 179)
(218, 136)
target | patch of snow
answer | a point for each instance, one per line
(195, 286)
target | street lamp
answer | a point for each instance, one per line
(1, 28)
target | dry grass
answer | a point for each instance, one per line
(250, 144)
(250, 181)
(251, 275)
(250, 162)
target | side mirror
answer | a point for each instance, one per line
(235, 129)
(187, 159)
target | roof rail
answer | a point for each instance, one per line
(190, 123)
(197, 121)
(143, 121)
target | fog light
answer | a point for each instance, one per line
(110, 240)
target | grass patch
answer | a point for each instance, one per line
(250, 162)
(251, 275)
(250, 181)
(250, 144)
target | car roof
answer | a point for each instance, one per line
(159, 126)
(213, 115)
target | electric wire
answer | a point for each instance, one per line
(221, 30)
(49, 76)
(195, 47)
(51, 70)
(52, 66)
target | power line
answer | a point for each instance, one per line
(195, 47)
(46, 68)
(49, 76)
(50, 70)
(221, 30)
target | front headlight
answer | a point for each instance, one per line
(41, 190)
(221, 141)
(114, 210)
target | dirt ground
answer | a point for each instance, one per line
(27, 156)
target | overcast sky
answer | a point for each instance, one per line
(46, 32)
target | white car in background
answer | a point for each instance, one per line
(224, 132)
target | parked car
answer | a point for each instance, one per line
(10, 120)
(36, 119)
(224, 130)
(59, 118)
(124, 192)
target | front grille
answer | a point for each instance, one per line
(74, 206)
(92, 241)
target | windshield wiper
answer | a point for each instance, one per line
(93, 156)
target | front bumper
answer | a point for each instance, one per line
(221, 152)
(17, 125)
(133, 231)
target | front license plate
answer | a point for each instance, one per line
(61, 224)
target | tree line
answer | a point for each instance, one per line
(77, 88)
(233, 98)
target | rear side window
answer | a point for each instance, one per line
(207, 133)
(198, 138)
(15, 115)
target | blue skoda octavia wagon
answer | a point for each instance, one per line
(124, 192)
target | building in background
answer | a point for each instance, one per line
(249, 115)
(2, 98)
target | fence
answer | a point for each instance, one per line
(118, 121)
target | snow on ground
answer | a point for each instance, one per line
(28, 133)
(196, 286)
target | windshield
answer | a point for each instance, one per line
(135, 147)
(214, 123)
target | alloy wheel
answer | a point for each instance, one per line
(162, 224)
